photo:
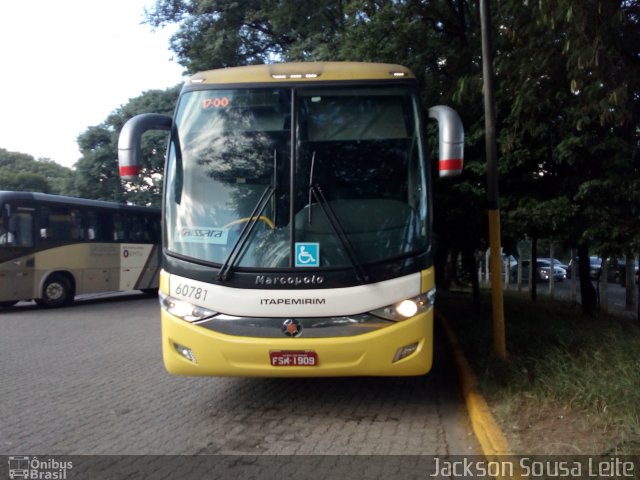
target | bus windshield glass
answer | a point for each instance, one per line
(338, 168)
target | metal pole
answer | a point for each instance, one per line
(637, 296)
(552, 279)
(497, 300)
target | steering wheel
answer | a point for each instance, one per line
(261, 218)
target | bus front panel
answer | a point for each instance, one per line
(297, 228)
(384, 328)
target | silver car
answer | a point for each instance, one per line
(542, 272)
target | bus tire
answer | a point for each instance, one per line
(56, 292)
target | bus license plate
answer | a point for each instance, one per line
(293, 358)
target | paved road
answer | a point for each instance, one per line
(88, 379)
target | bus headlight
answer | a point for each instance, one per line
(184, 310)
(407, 308)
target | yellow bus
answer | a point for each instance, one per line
(53, 248)
(297, 221)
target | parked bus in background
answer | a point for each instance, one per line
(53, 248)
(297, 216)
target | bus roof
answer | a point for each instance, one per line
(45, 198)
(302, 72)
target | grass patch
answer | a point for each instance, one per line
(559, 361)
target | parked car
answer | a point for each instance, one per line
(615, 269)
(595, 266)
(542, 271)
(556, 262)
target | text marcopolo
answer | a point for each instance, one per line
(289, 280)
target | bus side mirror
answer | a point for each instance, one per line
(451, 140)
(130, 139)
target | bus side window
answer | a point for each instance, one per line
(43, 223)
(77, 225)
(119, 228)
(60, 225)
(93, 226)
(7, 235)
(155, 229)
(21, 224)
(16, 227)
(137, 231)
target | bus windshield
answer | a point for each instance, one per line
(338, 168)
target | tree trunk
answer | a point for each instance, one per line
(533, 277)
(440, 263)
(629, 282)
(587, 291)
(574, 276)
(604, 285)
(552, 277)
(469, 264)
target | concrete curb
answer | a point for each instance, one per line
(489, 434)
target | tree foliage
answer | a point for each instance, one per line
(224, 33)
(570, 110)
(567, 75)
(568, 98)
(97, 171)
(568, 102)
(437, 39)
(22, 172)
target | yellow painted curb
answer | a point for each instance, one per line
(489, 434)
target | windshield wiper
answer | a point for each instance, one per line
(315, 191)
(245, 233)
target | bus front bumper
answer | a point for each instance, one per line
(193, 350)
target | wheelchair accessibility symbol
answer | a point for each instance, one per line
(307, 254)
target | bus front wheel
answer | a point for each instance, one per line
(57, 291)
